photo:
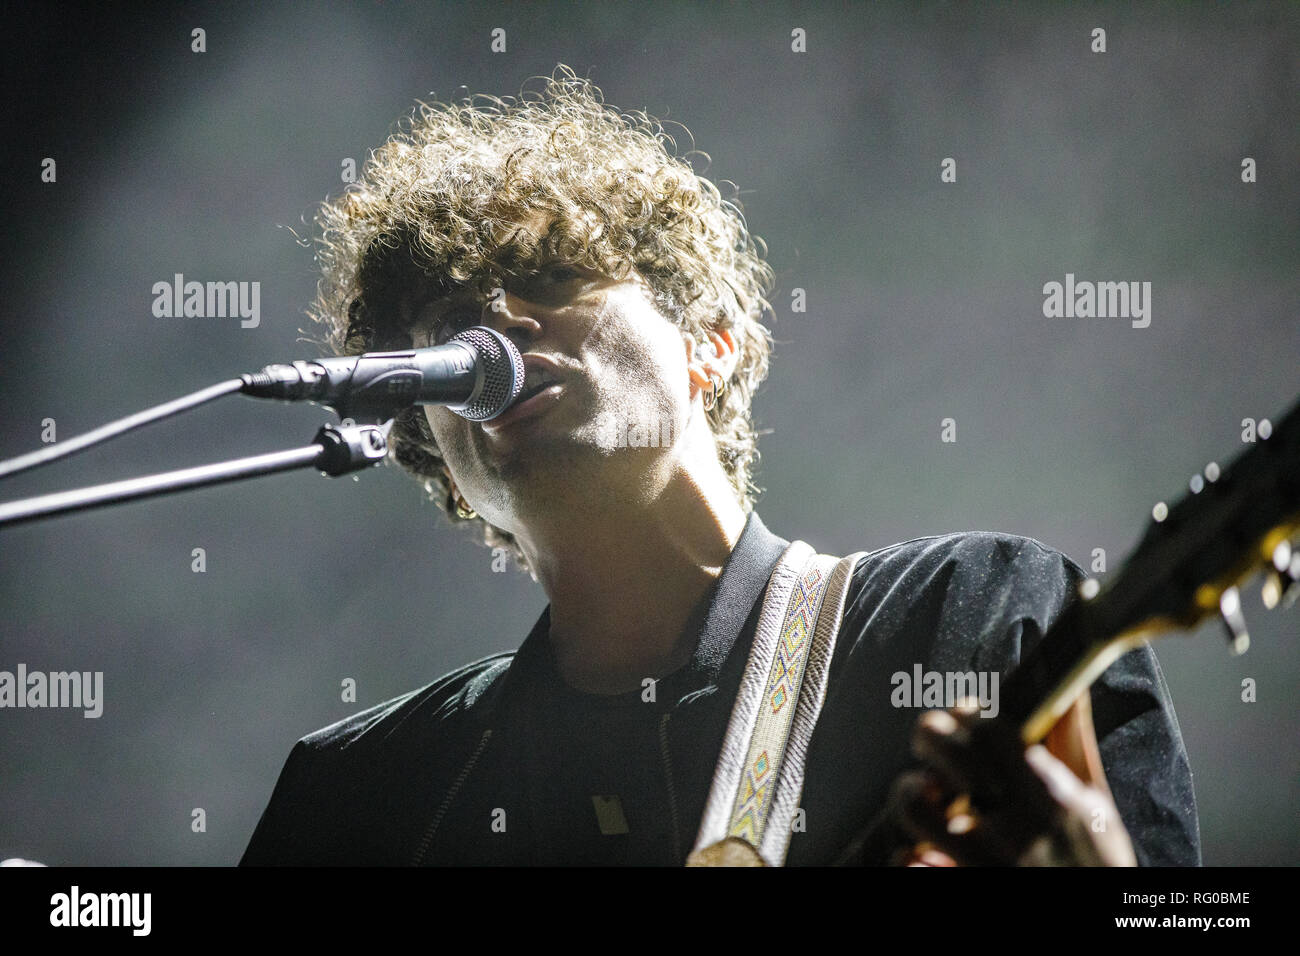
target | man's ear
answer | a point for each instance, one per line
(726, 352)
(708, 362)
(719, 351)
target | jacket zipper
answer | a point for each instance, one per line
(427, 840)
(672, 790)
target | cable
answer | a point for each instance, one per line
(62, 449)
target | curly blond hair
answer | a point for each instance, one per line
(442, 199)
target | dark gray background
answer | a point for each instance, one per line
(924, 301)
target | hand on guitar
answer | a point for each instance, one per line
(983, 800)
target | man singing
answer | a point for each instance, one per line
(621, 480)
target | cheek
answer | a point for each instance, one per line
(668, 358)
(639, 347)
(448, 434)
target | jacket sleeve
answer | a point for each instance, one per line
(1141, 743)
(358, 791)
(1145, 760)
(273, 841)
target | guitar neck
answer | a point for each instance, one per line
(1186, 568)
(1061, 667)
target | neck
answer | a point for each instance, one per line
(624, 575)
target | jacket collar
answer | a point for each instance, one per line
(720, 619)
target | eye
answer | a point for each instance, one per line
(455, 320)
(563, 273)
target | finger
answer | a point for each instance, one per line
(986, 760)
(937, 737)
(924, 854)
(1068, 840)
(1087, 822)
(1007, 801)
(1065, 788)
(922, 809)
(943, 741)
(928, 856)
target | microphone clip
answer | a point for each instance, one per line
(349, 448)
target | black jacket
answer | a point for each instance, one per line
(410, 781)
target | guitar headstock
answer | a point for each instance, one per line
(1232, 523)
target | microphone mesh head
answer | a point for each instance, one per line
(503, 373)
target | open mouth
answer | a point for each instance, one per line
(536, 379)
(540, 390)
(529, 392)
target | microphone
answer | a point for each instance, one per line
(477, 374)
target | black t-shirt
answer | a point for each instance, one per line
(600, 793)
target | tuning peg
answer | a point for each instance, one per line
(1234, 621)
(1282, 581)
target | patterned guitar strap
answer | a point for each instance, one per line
(759, 778)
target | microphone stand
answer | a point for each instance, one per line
(336, 450)
(370, 389)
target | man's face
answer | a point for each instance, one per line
(614, 361)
